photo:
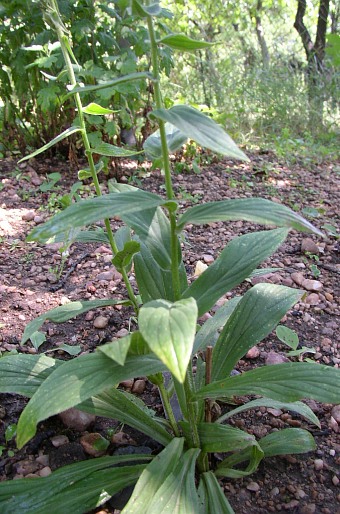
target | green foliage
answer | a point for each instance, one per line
(166, 309)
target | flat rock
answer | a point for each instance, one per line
(76, 419)
(275, 358)
(28, 216)
(312, 299)
(312, 285)
(308, 245)
(297, 277)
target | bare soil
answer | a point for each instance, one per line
(30, 284)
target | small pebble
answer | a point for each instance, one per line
(253, 353)
(139, 386)
(336, 413)
(44, 472)
(59, 440)
(28, 216)
(312, 285)
(100, 322)
(318, 464)
(253, 486)
(76, 419)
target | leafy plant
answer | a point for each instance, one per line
(167, 308)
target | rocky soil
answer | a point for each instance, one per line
(32, 281)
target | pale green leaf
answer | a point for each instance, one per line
(123, 258)
(202, 129)
(96, 110)
(287, 336)
(169, 329)
(236, 262)
(91, 210)
(111, 83)
(77, 488)
(287, 441)
(153, 477)
(253, 454)
(65, 312)
(212, 497)
(256, 315)
(284, 382)
(150, 9)
(298, 407)
(113, 151)
(184, 43)
(117, 350)
(175, 139)
(74, 382)
(257, 210)
(54, 141)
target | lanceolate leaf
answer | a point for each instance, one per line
(169, 329)
(236, 262)
(54, 141)
(153, 477)
(284, 382)
(65, 312)
(96, 110)
(76, 488)
(184, 43)
(257, 210)
(202, 129)
(111, 83)
(220, 438)
(253, 454)
(208, 333)
(298, 407)
(127, 408)
(178, 493)
(287, 441)
(256, 315)
(113, 151)
(175, 139)
(140, 9)
(91, 210)
(74, 382)
(212, 497)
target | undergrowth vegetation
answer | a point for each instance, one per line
(166, 337)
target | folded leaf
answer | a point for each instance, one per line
(257, 210)
(253, 454)
(175, 139)
(220, 438)
(202, 129)
(76, 488)
(212, 497)
(117, 350)
(283, 382)
(236, 262)
(65, 312)
(256, 315)
(91, 210)
(153, 477)
(169, 329)
(74, 382)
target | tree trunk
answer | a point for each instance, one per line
(260, 35)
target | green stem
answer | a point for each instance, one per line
(64, 48)
(168, 409)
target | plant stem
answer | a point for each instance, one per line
(64, 43)
(168, 409)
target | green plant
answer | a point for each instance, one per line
(167, 309)
(10, 433)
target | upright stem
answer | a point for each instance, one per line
(64, 48)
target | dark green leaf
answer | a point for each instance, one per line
(117, 350)
(113, 151)
(74, 382)
(253, 454)
(235, 264)
(257, 210)
(123, 258)
(256, 315)
(284, 382)
(202, 129)
(65, 312)
(175, 139)
(212, 496)
(220, 438)
(111, 83)
(287, 441)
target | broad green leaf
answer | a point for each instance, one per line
(283, 442)
(71, 350)
(257, 210)
(123, 258)
(212, 497)
(65, 312)
(287, 336)
(202, 129)
(284, 382)
(122, 236)
(153, 281)
(298, 407)
(23, 374)
(117, 349)
(175, 139)
(236, 262)
(208, 333)
(256, 315)
(54, 141)
(287, 441)
(111, 83)
(84, 236)
(184, 43)
(128, 409)
(74, 382)
(140, 9)
(253, 454)
(76, 488)
(91, 210)
(96, 110)
(113, 151)
(169, 329)
(153, 477)
(178, 493)
(37, 339)
(220, 438)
